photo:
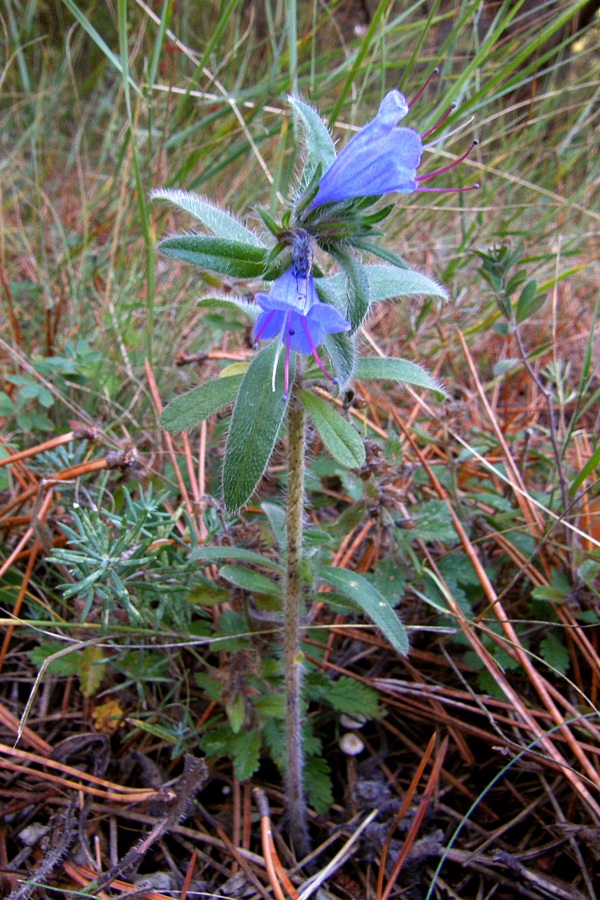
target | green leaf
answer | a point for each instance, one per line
(246, 754)
(346, 695)
(529, 301)
(227, 257)
(356, 287)
(317, 779)
(249, 580)
(339, 436)
(221, 223)
(319, 143)
(386, 282)
(372, 603)
(207, 555)
(342, 354)
(91, 670)
(554, 652)
(216, 301)
(255, 424)
(186, 412)
(7, 407)
(393, 369)
(235, 709)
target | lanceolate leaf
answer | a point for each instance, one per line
(229, 302)
(393, 369)
(372, 603)
(227, 257)
(207, 555)
(249, 580)
(186, 412)
(221, 223)
(357, 288)
(257, 418)
(319, 144)
(340, 438)
(386, 282)
(342, 353)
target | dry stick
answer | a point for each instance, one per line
(419, 816)
(272, 863)
(171, 450)
(402, 811)
(292, 607)
(525, 662)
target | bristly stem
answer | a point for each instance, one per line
(292, 609)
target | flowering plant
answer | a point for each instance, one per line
(308, 314)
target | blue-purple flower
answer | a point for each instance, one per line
(382, 158)
(292, 313)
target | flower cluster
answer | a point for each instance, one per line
(382, 158)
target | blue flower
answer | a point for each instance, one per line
(381, 158)
(292, 313)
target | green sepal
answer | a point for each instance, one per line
(383, 368)
(227, 257)
(340, 438)
(257, 417)
(186, 412)
(372, 603)
(221, 223)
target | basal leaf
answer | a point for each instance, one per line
(209, 555)
(255, 424)
(339, 436)
(221, 223)
(249, 580)
(186, 412)
(372, 603)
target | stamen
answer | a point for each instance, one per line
(279, 342)
(447, 168)
(313, 350)
(435, 72)
(439, 124)
(449, 190)
(449, 134)
(288, 346)
(266, 324)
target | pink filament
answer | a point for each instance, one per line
(447, 168)
(313, 349)
(438, 124)
(436, 71)
(266, 323)
(288, 347)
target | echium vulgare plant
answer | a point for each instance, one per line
(307, 321)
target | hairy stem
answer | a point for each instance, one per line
(293, 609)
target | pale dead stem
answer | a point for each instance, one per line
(515, 649)
(192, 508)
